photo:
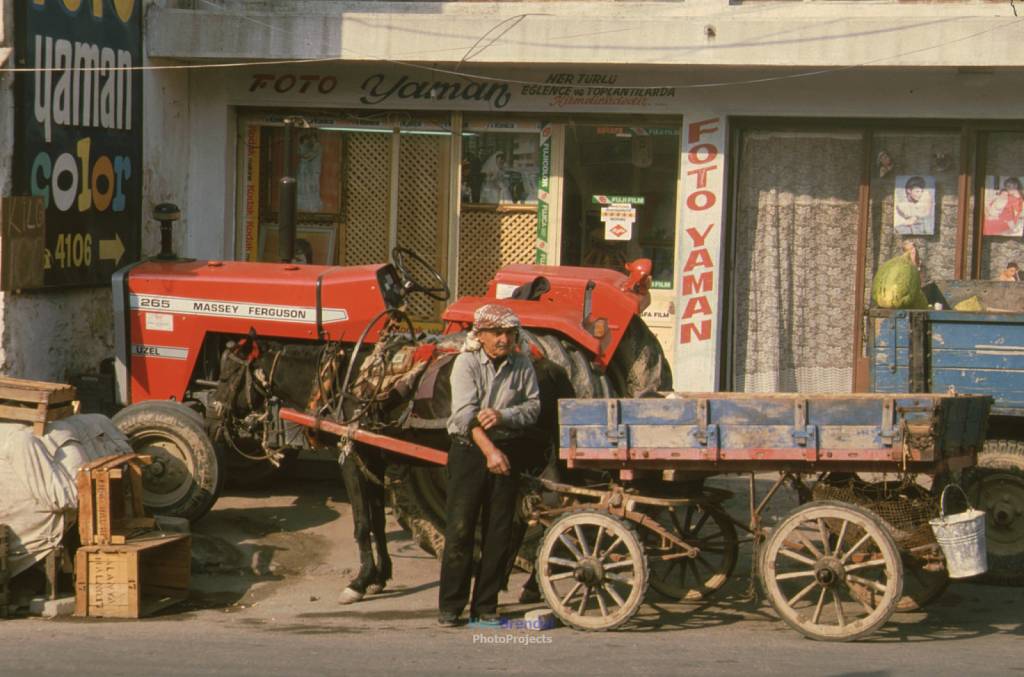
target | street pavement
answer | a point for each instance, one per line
(268, 568)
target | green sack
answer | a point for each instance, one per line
(897, 284)
(970, 305)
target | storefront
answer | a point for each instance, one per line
(765, 227)
(470, 191)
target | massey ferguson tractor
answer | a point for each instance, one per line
(228, 370)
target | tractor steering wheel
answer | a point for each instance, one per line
(436, 288)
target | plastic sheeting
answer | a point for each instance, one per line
(38, 494)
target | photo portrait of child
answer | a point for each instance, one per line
(914, 205)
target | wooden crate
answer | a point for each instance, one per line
(35, 402)
(110, 507)
(133, 579)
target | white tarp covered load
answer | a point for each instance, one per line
(38, 494)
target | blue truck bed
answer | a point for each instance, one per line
(935, 350)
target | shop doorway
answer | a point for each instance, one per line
(619, 200)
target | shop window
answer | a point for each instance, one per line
(619, 199)
(794, 262)
(316, 159)
(500, 167)
(914, 200)
(500, 179)
(1001, 218)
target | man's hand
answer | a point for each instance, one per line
(488, 418)
(497, 462)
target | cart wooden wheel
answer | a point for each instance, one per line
(684, 578)
(592, 570)
(813, 560)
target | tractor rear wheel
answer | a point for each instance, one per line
(186, 474)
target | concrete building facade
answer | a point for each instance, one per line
(767, 156)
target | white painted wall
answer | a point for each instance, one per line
(53, 335)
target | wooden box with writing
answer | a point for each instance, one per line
(110, 509)
(134, 579)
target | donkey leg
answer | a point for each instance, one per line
(377, 501)
(356, 485)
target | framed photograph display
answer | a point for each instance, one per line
(914, 205)
(314, 244)
(316, 155)
(1004, 207)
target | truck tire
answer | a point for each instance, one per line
(186, 475)
(996, 485)
(638, 366)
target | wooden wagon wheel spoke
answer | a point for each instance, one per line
(570, 546)
(823, 535)
(819, 606)
(856, 546)
(867, 583)
(584, 548)
(600, 601)
(614, 595)
(597, 540)
(866, 565)
(621, 578)
(583, 600)
(562, 562)
(803, 593)
(815, 595)
(562, 576)
(804, 541)
(794, 574)
(572, 591)
(700, 523)
(615, 544)
(619, 565)
(840, 616)
(797, 556)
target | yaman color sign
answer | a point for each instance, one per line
(79, 132)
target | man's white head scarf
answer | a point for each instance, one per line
(490, 316)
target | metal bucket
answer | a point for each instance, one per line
(961, 537)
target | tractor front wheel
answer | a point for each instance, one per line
(186, 474)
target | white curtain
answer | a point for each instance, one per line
(795, 264)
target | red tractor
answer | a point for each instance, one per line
(229, 369)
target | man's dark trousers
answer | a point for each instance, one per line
(475, 492)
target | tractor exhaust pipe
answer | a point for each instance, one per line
(287, 199)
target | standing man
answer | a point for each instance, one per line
(495, 399)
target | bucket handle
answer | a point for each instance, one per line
(942, 499)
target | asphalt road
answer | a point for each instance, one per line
(269, 568)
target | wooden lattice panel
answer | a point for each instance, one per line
(366, 181)
(422, 208)
(489, 239)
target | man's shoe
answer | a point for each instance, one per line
(491, 620)
(529, 596)
(447, 619)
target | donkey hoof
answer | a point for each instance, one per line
(374, 588)
(349, 596)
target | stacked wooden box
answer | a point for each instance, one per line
(125, 568)
(35, 402)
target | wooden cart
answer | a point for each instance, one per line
(833, 569)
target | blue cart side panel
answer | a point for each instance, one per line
(725, 422)
(975, 353)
